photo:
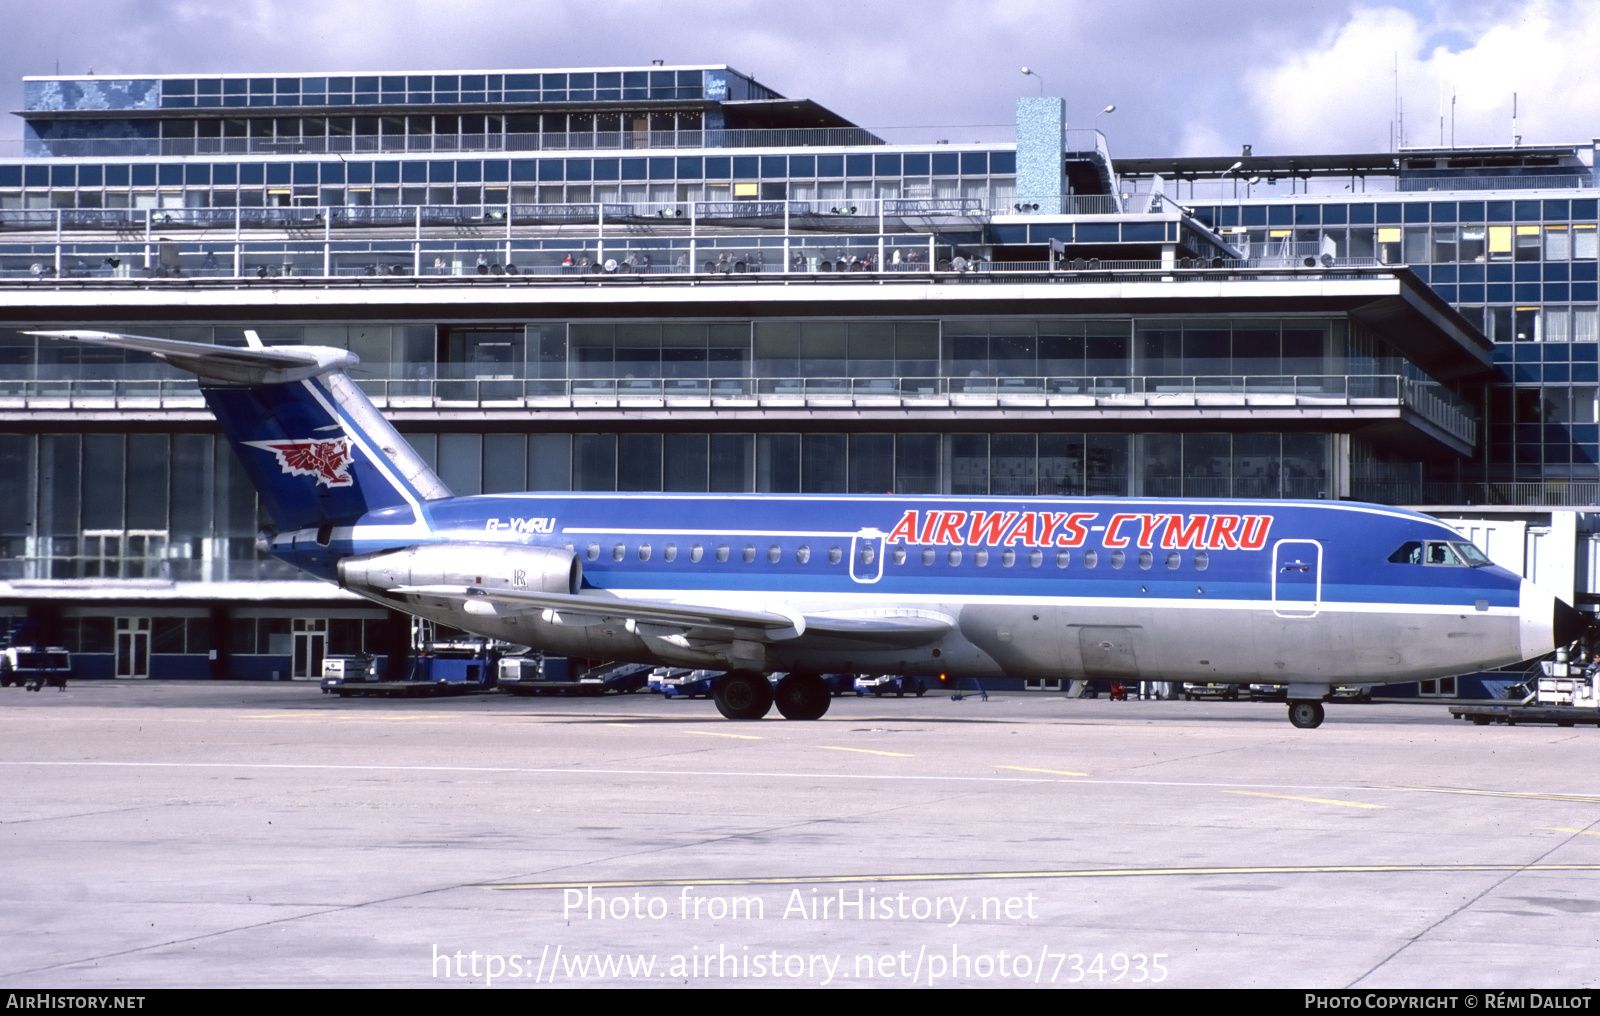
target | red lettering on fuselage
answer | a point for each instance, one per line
(948, 530)
(1077, 531)
(1048, 521)
(988, 527)
(1255, 532)
(1148, 524)
(905, 531)
(1026, 532)
(1070, 529)
(1181, 535)
(1224, 535)
(1112, 538)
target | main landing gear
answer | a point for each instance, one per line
(742, 695)
(803, 697)
(747, 695)
(1305, 714)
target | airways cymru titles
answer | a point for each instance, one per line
(1072, 529)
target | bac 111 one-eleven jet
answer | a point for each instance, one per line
(1305, 594)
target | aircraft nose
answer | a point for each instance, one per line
(1547, 622)
(1567, 623)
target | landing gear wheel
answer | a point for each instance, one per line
(1305, 715)
(743, 695)
(803, 697)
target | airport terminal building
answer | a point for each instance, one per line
(676, 279)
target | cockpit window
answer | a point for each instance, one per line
(1410, 552)
(1474, 557)
(1440, 553)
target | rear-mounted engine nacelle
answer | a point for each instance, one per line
(531, 569)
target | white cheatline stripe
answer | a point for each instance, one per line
(412, 496)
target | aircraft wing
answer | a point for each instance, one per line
(775, 623)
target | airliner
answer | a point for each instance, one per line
(1306, 594)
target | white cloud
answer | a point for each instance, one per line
(1338, 94)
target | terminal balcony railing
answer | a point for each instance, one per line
(1436, 404)
(1528, 494)
(886, 235)
(1581, 179)
(420, 264)
(383, 144)
(146, 571)
(152, 221)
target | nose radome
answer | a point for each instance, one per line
(1567, 623)
(1547, 623)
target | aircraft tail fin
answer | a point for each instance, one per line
(315, 447)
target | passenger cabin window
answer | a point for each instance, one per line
(803, 554)
(696, 552)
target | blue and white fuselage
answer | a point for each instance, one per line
(1288, 592)
(1307, 594)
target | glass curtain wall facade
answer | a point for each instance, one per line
(1520, 265)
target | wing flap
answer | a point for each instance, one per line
(772, 625)
(889, 629)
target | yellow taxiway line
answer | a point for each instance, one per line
(1312, 800)
(1052, 772)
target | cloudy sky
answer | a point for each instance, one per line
(1192, 77)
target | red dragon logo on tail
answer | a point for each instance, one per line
(326, 459)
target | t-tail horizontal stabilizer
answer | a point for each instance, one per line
(315, 447)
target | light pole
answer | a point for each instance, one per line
(1034, 74)
(1234, 169)
(1226, 173)
(1103, 112)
